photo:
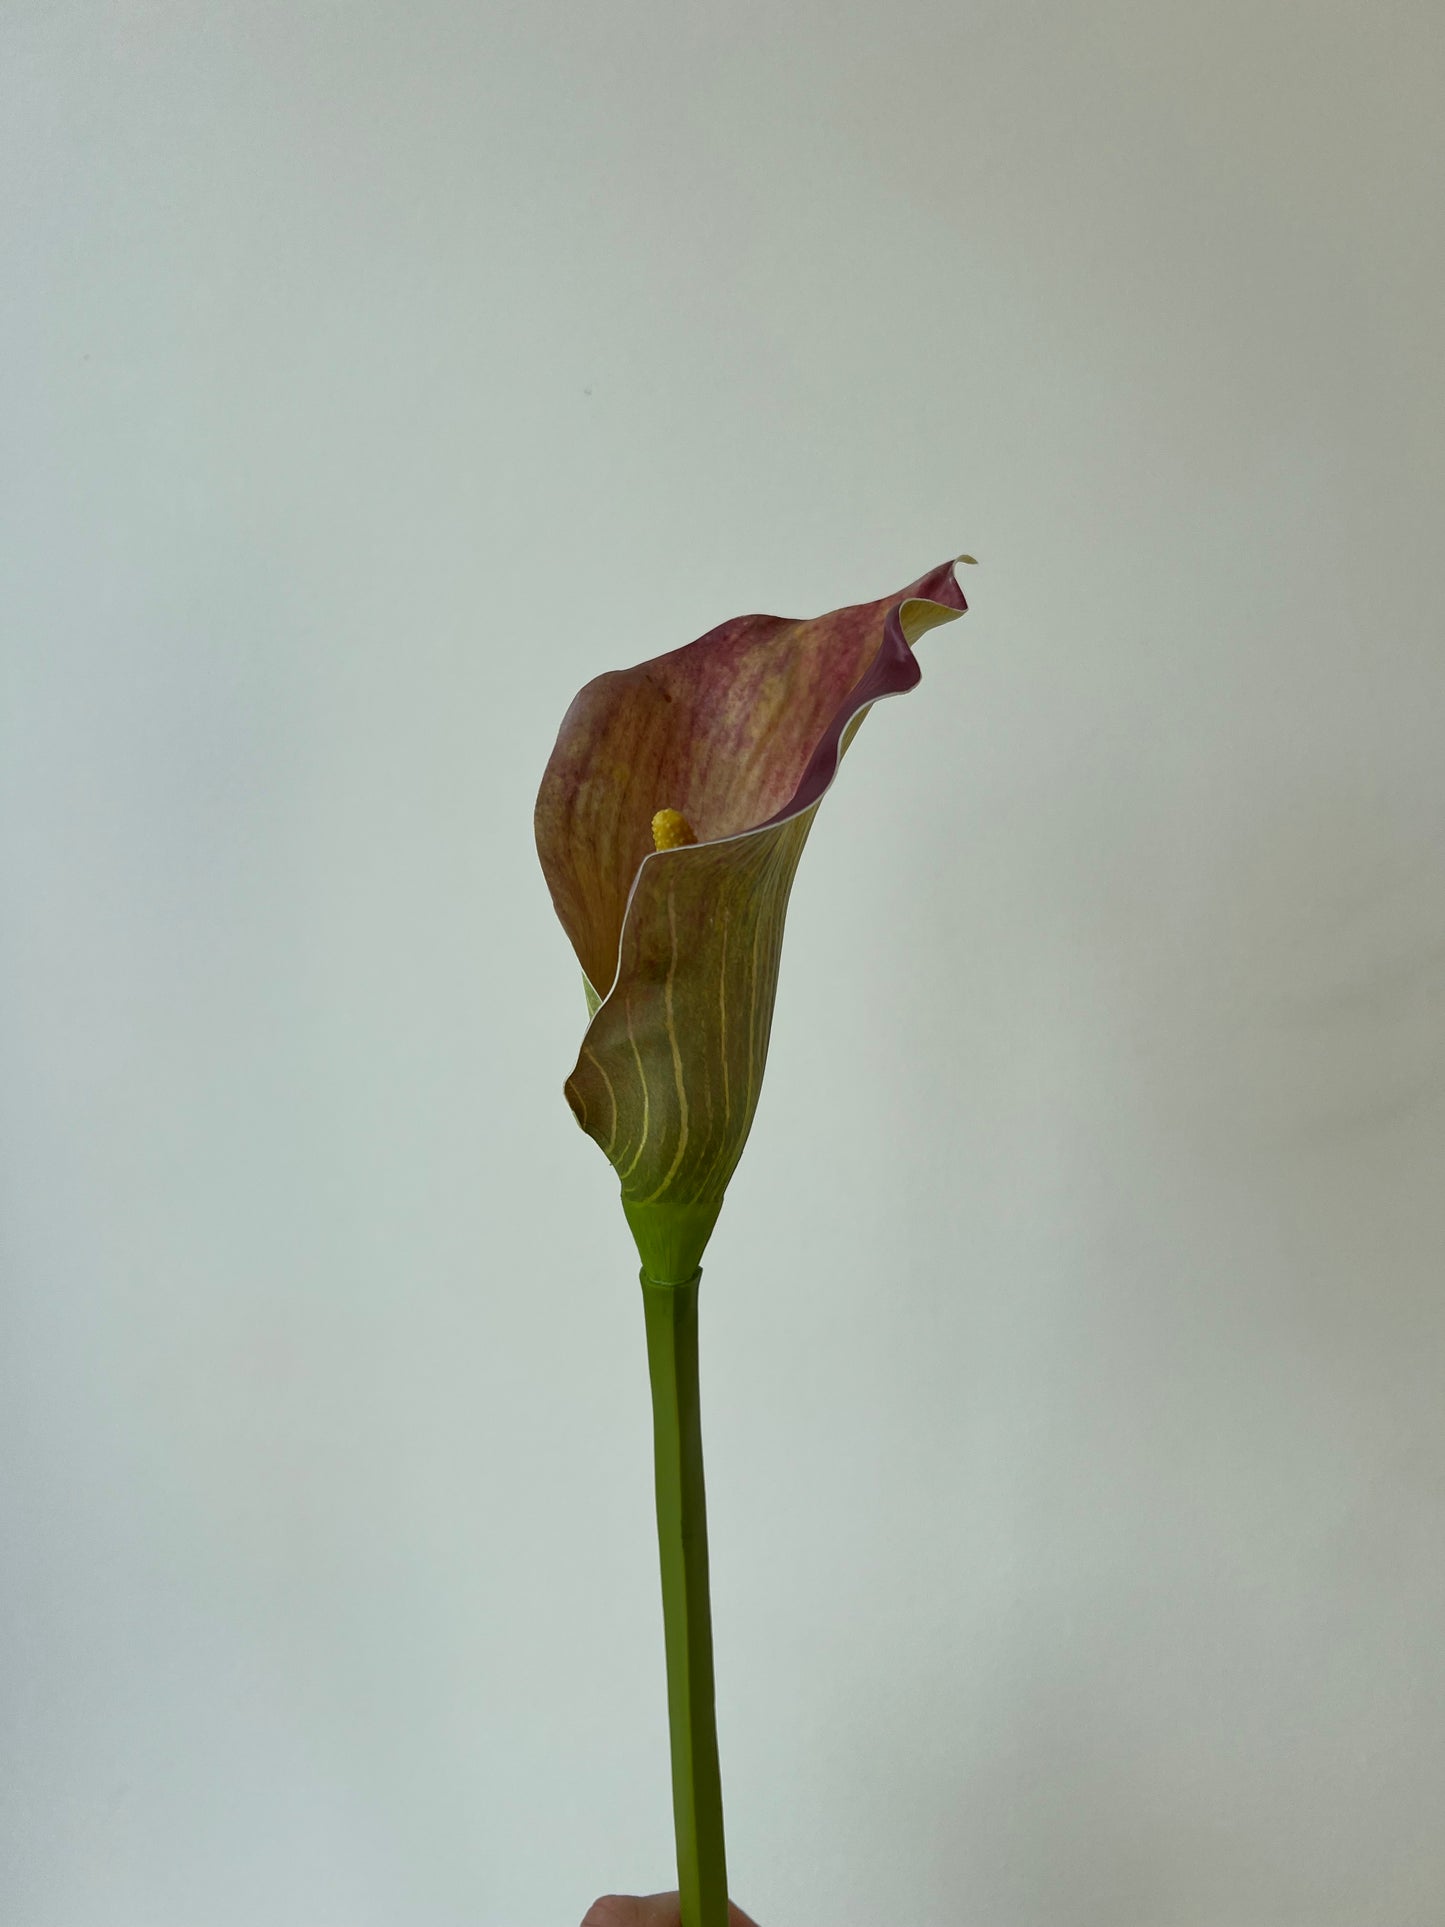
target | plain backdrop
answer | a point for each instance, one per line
(1073, 1339)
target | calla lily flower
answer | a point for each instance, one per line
(670, 821)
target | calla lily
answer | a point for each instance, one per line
(670, 821)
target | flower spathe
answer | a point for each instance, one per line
(737, 737)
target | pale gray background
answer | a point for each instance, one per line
(372, 377)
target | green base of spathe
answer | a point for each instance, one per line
(671, 1238)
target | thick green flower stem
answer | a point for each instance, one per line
(687, 1621)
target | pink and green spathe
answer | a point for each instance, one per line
(735, 738)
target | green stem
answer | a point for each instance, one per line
(687, 1622)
